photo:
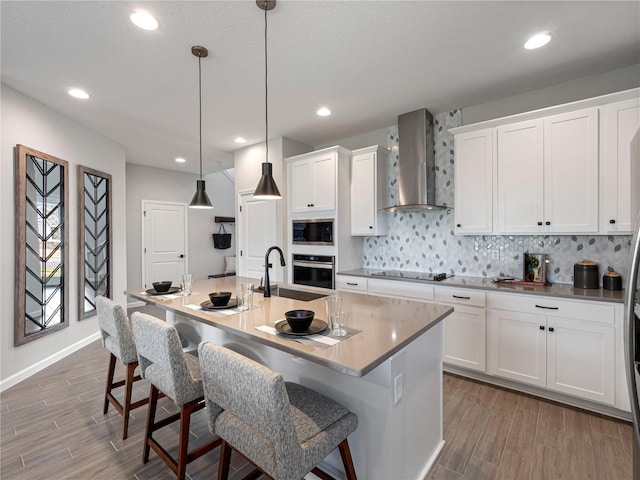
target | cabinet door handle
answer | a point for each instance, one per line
(461, 298)
(370, 226)
(352, 284)
(547, 308)
(551, 329)
(540, 223)
(458, 225)
(541, 327)
(547, 223)
(612, 221)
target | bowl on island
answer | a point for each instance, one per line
(163, 286)
(299, 320)
(219, 299)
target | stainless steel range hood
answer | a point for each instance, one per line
(416, 164)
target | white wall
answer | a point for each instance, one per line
(586, 87)
(248, 168)
(27, 122)
(147, 183)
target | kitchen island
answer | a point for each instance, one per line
(389, 373)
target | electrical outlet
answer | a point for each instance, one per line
(495, 254)
(398, 388)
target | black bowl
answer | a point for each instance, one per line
(219, 299)
(162, 286)
(299, 320)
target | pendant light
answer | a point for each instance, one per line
(267, 188)
(200, 198)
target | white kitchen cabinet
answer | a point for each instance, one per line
(400, 289)
(620, 177)
(474, 172)
(464, 337)
(368, 192)
(581, 359)
(520, 177)
(556, 344)
(312, 181)
(351, 283)
(517, 347)
(548, 174)
(571, 172)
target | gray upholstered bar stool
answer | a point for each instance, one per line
(177, 375)
(284, 429)
(118, 339)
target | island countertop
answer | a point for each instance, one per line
(385, 325)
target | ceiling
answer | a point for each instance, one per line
(367, 60)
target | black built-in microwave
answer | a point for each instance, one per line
(313, 232)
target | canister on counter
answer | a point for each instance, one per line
(585, 274)
(612, 281)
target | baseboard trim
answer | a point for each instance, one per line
(432, 461)
(42, 364)
(137, 303)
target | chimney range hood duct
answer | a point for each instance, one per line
(416, 164)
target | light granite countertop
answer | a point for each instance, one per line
(481, 283)
(386, 325)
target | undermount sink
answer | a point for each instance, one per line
(301, 295)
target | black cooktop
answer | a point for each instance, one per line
(435, 277)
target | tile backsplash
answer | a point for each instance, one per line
(424, 240)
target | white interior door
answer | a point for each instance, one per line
(163, 241)
(256, 232)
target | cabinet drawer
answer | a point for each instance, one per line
(461, 296)
(554, 307)
(419, 291)
(356, 284)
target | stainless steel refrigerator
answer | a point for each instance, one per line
(632, 325)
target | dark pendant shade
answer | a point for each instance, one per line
(267, 188)
(200, 198)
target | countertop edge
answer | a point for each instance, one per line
(552, 290)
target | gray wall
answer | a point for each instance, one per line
(147, 183)
(27, 122)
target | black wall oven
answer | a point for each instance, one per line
(314, 270)
(313, 232)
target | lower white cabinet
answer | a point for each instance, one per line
(351, 283)
(564, 346)
(464, 342)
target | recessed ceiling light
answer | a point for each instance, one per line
(240, 140)
(78, 93)
(144, 20)
(180, 160)
(323, 112)
(537, 41)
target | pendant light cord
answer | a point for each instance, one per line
(266, 92)
(200, 107)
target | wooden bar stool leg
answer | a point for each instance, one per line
(128, 387)
(225, 461)
(112, 368)
(153, 402)
(345, 453)
(185, 420)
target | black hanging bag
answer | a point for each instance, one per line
(222, 239)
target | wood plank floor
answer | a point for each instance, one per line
(52, 427)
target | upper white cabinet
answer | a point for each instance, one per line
(368, 193)
(571, 172)
(312, 182)
(620, 176)
(520, 177)
(561, 170)
(474, 169)
(548, 174)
